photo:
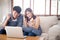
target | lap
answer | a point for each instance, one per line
(33, 31)
(27, 29)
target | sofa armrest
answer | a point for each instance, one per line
(54, 32)
(45, 36)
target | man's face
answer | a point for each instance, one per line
(15, 14)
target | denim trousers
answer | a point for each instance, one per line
(30, 31)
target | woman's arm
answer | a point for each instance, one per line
(37, 22)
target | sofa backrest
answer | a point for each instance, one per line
(47, 21)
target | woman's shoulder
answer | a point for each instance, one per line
(37, 17)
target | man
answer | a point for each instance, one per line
(14, 19)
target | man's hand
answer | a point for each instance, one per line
(8, 17)
(6, 21)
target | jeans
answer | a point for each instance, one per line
(30, 31)
(2, 31)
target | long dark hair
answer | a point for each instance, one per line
(30, 10)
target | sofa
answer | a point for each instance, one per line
(50, 28)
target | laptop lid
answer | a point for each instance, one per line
(14, 32)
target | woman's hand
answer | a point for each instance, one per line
(31, 22)
(34, 23)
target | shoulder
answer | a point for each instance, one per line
(37, 17)
(20, 16)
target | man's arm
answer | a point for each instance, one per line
(6, 20)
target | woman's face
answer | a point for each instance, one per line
(29, 14)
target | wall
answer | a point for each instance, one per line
(5, 8)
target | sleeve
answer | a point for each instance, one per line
(3, 19)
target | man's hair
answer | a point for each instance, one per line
(17, 9)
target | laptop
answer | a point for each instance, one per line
(14, 32)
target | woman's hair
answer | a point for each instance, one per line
(29, 10)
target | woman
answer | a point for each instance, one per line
(31, 24)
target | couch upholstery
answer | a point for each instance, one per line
(47, 21)
(54, 32)
(50, 27)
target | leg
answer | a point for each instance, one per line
(27, 29)
(2, 31)
(37, 32)
(25, 33)
(31, 34)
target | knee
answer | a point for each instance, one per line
(25, 33)
(27, 29)
(36, 32)
(31, 34)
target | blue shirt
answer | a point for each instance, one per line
(17, 22)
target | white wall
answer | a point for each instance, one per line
(0, 11)
(5, 8)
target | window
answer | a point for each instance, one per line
(47, 7)
(39, 7)
(53, 7)
(26, 4)
(58, 7)
(17, 3)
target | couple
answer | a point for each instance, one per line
(29, 23)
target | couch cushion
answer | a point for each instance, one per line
(47, 21)
(54, 32)
(45, 35)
